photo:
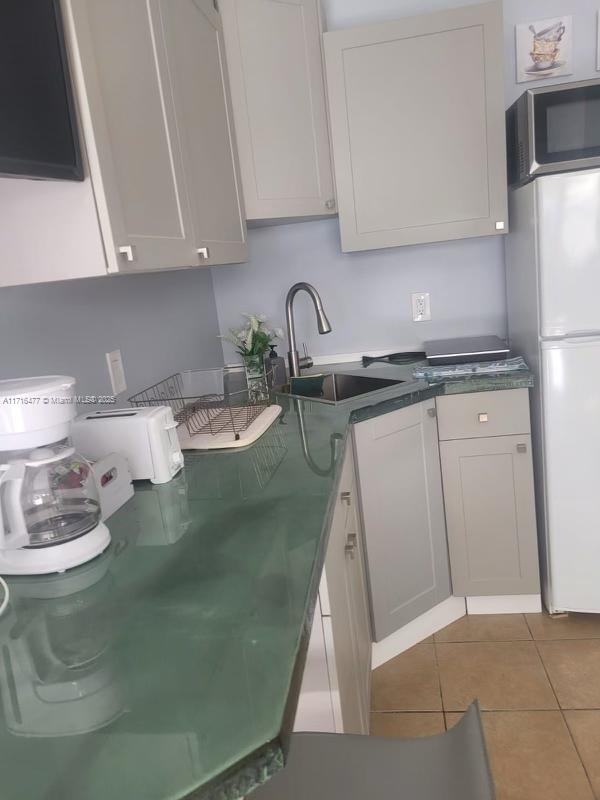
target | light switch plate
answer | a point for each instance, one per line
(421, 306)
(114, 361)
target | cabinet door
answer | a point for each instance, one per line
(417, 122)
(198, 78)
(490, 513)
(315, 710)
(130, 133)
(276, 73)
(344, 571)
(403, 515)
(359, 605)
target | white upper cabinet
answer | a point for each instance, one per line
(417, 121)
(198, 74)
(276, 75)
(130, 134)
(158, 136)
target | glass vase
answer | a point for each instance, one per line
(256, 378)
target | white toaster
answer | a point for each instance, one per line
(147, 437)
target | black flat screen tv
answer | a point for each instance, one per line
(38, 124)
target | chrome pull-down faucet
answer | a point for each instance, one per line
(295, 362)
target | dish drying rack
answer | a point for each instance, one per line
(216, 408)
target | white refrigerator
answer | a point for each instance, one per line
(553, 291)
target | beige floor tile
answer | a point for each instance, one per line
(532, 756)
(574, 671)
(585, 729)
(485, 628)
(502, 675)
(573, 626)
(408, 682)
(407, 724)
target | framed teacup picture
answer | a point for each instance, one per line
(544, 48)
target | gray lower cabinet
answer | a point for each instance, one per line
(336, 690)
(489, 493)
(399, 475)
(348, 605)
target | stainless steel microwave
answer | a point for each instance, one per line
(553, 129)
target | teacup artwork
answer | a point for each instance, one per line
(544, 49)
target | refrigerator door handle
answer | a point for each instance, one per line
(574, 337)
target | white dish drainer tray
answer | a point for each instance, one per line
(215, 408)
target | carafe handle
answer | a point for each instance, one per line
(11, 481)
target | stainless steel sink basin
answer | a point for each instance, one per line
(334, 387)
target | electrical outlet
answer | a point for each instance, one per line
(421, 307)
(114, 361)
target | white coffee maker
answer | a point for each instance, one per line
(49, 505)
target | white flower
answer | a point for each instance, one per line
(278, 333)
(254, 321)
(261, 317)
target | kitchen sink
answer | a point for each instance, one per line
(334, 387)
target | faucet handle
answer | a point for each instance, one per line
(306, 361)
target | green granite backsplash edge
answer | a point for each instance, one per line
(488, 383)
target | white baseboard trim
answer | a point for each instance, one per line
(414, 632)
(505, 604)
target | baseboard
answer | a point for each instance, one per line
(505, 604)
(420, 628)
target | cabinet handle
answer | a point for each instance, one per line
(521, 448)
(346, 498)
(350, 549)
(352, 539)
(128, 251)
(482, 417)
(432, 412)
(330, 204)
(203, 252)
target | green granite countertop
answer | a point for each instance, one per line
(170, 666)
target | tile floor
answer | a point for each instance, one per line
(538, 684)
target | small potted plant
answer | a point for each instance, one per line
(252, 342)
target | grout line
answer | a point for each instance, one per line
(581, 761)
(439, 677)
(564, 719)
(395, 713)
(529, 628)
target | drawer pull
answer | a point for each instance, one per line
(127, 250)
(521, 448)
(482, 417)
(346, 498)
(432, 412)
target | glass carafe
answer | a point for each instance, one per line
(55, 500)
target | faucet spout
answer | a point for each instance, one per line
(323, 325)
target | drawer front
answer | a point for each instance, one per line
(482, 414)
